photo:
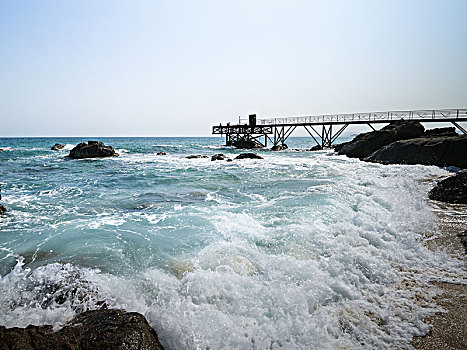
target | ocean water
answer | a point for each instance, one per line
(301, 250)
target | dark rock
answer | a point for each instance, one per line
(437, 132)
(316, 148)
(463, 238)
(279, 147)
(195, 156)
(98, 329)
(161, 153)
(93, 149)
(219, 156)
(229, 160)
(338, 147)
(246, 143)
(451, 190)
(439, 151)
(248, 156)
(2, 209)
(365, 144)
(57, 146)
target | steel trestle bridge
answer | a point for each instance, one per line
(325, 129)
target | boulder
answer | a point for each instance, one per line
(248, 156)
(93, 149)
(219, 156)
(437, 132)
(196, 156)
(2, 209)
(316, 148)
(161, 153)
(365, 144)
(279, 147)
(57, 146)
(439, 151)
(451, 190)
(98, 329)
(246, 143)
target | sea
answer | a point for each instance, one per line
(299, 250)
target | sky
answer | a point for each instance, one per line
(175, 68)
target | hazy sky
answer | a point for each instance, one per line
(175, 68)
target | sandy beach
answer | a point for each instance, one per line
(448, 328)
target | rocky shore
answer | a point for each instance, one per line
(99, 329)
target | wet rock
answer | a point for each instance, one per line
(365, 144)
(339, 146)
(161, 153)
(463, 238)
(439, 151)
(246, 143)
(98, 329)
(219, 156)
(437, 132)
(57, 146)
(451, 190)
(316, 148)
(93, 149)
(279, 147)
(2, 209)
(248, 156)
(196, 156)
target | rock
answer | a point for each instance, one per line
(437, 132)
(463, 238)
(439, 151)
(195, 156)
(339, 146)
(2, 209)
(248, 156)
(316, 148)
(219, 156)
(98, 329)
(451, 190)
(246, 143)
(93, 149)
(57, 146)
(161, 153)
(365, 144)
(279, 147)
(229, 160)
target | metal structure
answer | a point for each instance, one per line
(325, 129)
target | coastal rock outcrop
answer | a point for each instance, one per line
(246, 143)
(279, 147)
(92, 149)
(98, 329)
(452, 189)
(365, 144)
(219, 156)
(440, 151)
(248, 156)
(57, 146)
(196, 156)
(316, 148)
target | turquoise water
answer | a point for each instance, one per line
(299, 250)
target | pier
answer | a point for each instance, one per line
(325, 129)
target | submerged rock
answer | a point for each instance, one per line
(246, 143)
(57, 146)
(439, 151)
(161, 153)
(451, 190)
(248, 156)
(98, 329)
(219, 156)
(93, 149)
(196, 156)
(365, 144)
(279, 147)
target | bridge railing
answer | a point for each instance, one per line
(439, 114)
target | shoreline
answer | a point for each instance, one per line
(448, 328)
